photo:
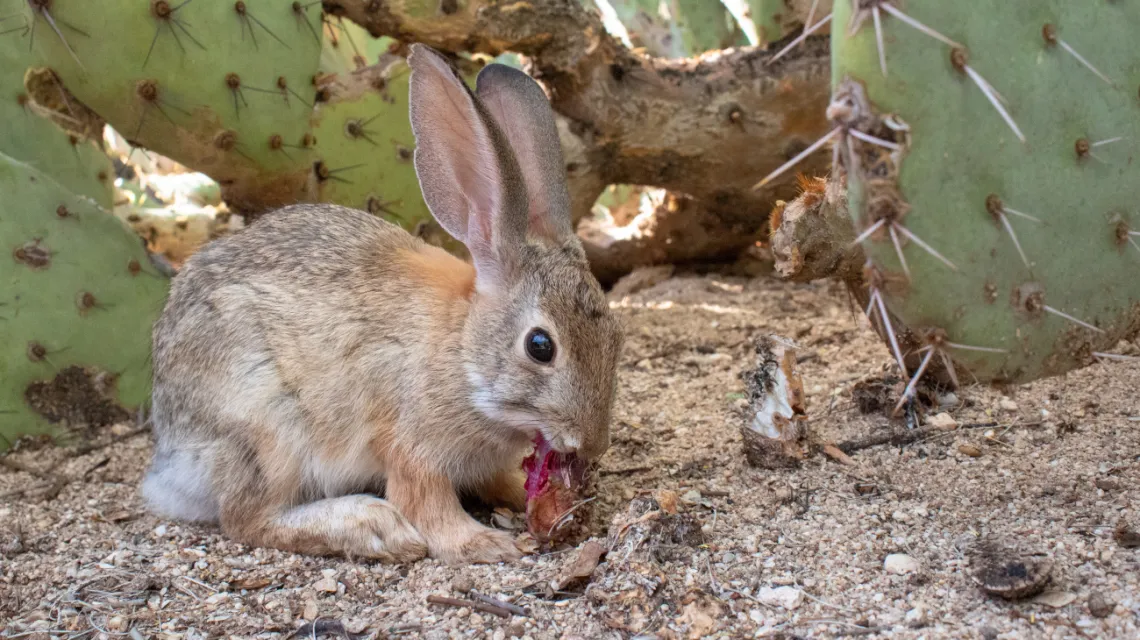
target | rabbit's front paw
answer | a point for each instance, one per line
(475, 544)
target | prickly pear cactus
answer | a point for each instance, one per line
(77, 291)
(78, 296)
(268, 99)
(79, 164)
(989, 157)
(677, 28)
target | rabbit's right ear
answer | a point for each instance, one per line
(468, 175)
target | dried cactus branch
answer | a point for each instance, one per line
(707, 127)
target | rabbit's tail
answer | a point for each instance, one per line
(179, 484)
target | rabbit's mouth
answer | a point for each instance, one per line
(554, 482)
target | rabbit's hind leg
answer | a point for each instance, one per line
(257, 504)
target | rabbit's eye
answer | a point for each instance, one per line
(540, 346)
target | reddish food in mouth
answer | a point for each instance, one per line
(555, 483)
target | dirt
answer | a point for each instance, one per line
(699, 543)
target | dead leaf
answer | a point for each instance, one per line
(580, 570)
(667, 500)
(700, 618)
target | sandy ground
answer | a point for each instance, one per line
(748, 553)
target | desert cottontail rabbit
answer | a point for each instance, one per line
(322, 355)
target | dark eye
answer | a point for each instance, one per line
(540, 346)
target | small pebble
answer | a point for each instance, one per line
(786, 597)
(1099, 605)
(327, 585)
(462, 584)
(311, 610)
(943, 422)
(948, 400)
(900, 564)
(1005, 404)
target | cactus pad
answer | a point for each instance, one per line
(988, 153)
(268, 99)
(78, 296)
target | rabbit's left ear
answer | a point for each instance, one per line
(523, 114)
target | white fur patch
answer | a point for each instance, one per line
(178, 486)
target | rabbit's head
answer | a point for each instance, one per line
(540, 344)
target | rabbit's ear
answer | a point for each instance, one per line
(468, 175)
(524, 115)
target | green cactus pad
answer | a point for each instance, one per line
(961, 173)
(78, 296)
(261, 99)
(79, 165)
(223, 87)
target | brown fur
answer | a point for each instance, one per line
(323, 357)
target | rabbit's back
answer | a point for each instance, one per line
(264, 337)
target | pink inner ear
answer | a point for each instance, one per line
(455, 158)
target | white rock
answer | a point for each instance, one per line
(943, 422)
(328, 585)
(900, 564)
(786, 597)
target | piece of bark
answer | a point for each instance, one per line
(776, 423)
